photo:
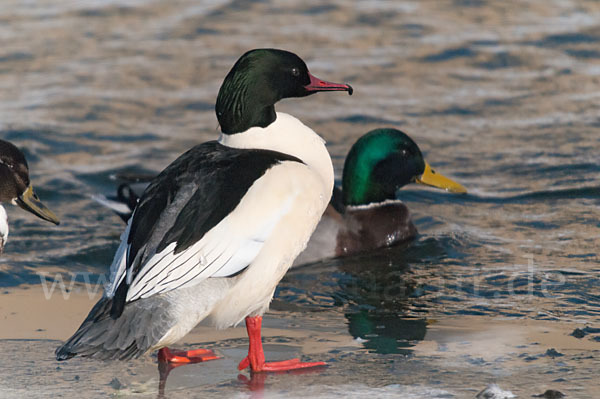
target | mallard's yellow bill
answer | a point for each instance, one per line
(31, 203)
(431, 178)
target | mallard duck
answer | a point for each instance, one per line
(364, 213)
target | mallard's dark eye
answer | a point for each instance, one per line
(295, 72)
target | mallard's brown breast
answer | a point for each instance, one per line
(372, 227)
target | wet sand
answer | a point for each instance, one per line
(31, 313)
(515, 354)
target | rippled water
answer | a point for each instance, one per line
(502, 96)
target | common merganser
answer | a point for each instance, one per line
(215, 231)
(364, 213)
(16, 188)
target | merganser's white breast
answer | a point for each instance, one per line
(290, 136)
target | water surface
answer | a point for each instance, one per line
(501, 96)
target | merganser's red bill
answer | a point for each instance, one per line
(317, 84)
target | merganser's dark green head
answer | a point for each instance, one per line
(14, 183)
(381, 162)
(257, 81)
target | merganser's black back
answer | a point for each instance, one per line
(203, 185)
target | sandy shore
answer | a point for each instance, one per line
(37, 312)
(27, 313)
(481, 349)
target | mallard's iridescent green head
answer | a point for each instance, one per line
(259, 79)
(381, 162)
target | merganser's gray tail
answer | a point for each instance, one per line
(140, 327)
(145, 324)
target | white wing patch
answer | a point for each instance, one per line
(116, 206)
(226, 249)
(119, 264)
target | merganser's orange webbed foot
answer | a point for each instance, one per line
(169, 359)
(285, 365)
(166, 355)
(256, 357)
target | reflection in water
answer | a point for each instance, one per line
(386, 333)
(375, 291)
(380, 296)
(256, 383)
(164, 369)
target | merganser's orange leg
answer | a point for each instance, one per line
(256, 356)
